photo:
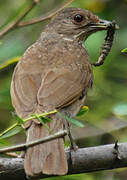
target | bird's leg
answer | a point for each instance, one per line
(73, 146)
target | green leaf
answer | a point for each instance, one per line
(72, 120)
(10, 62)
(83, 111)
(4, 142)
(75, 122)
(46, 119)
(124, 50)
(43, 121)
(19, 120)
(12, 132)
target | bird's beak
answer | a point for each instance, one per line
(96, 26)
(103, 25)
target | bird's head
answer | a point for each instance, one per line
(76, 23)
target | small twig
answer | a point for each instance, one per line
(24, 146)
(40, 115)
(15, 23)
(27, 119)
(18, 23)
(43, 18)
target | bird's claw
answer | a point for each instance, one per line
(116, 150)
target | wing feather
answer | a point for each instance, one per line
(61, 87)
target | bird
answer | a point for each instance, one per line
(54, 73)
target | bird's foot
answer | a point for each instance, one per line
(116, 150)
(22, 155)
(16, 155)
(12, 154)
(73, 147)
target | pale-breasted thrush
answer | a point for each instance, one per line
(54, 73)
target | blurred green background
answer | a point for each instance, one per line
(106, 120)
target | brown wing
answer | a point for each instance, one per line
(26, 81)
(61, 87)
(24, 88)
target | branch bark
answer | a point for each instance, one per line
(43, 18)
(17, 23)
(22, 147)
(82, 161)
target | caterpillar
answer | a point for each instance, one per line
(107, 44)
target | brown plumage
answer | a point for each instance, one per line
(54, 73)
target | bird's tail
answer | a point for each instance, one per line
(48, 158)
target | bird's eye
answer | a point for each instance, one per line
(78, 18)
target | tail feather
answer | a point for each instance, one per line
(48, 158)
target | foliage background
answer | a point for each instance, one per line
(106, 120)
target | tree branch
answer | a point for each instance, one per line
(18, 23)
(22, 147)
(43, 18)
(15, 23)
(82, 161)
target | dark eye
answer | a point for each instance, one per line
(78, 18)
